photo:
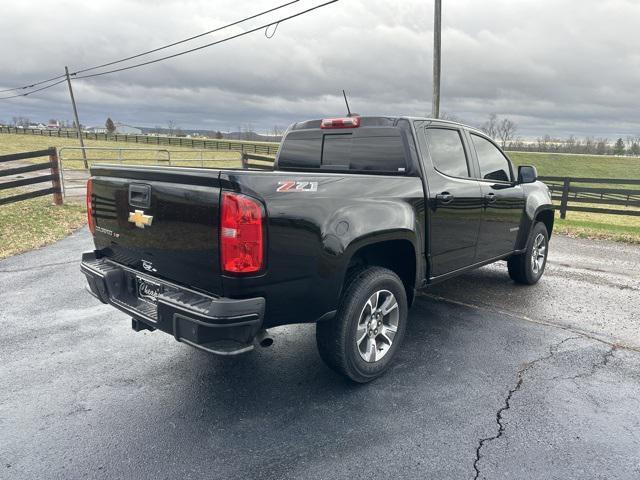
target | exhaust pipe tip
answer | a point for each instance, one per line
(264, 339)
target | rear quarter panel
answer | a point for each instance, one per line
(313, 234)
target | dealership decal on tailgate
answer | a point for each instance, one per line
(147, 290)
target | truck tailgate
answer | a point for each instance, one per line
(160, 220)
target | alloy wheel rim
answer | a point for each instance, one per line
(538, 253)
(377, 326)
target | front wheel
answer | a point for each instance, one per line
(363, 337)
(527, 268)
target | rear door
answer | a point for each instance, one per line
(160, 221)
(503, 199)
(455, 200)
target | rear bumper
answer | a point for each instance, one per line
(214, 324)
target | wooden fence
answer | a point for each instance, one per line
(264, 162)
(54, 177)
(263, 148)
(565, 190)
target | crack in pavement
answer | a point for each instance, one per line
(519, 316)
(553, 349)
(604, 361)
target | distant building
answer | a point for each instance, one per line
(36, 126)
(96, 130)
(127, 129)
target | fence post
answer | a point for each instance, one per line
(565, 197)
(244, 161)
(55, 171)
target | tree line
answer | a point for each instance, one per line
(503, 131)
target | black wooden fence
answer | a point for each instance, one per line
(570, 190)
(51, 165)
(263, 148)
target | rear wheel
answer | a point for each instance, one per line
(362, 339)
(527, 268)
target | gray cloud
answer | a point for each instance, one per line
(559, 67)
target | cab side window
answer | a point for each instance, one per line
(493, 164)
(447, 152)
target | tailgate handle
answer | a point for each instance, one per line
(140, 195)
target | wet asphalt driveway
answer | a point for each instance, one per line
(494, 381)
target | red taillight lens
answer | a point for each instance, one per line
(347, 122)
(91, 220)
(241, 234)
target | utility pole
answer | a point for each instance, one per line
(75, 114)
(437, 44)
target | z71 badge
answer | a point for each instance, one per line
(291, 186)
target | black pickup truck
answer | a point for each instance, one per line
(356, 216)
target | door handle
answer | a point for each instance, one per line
(444, 198)
(490, 197)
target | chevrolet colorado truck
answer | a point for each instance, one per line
(357, 214)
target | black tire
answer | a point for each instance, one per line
(336, 338)
(522, 268)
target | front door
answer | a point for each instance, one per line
(503, 201)
(455, 201)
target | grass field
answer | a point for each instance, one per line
(37, 222)
(132, 153)
(557, 164)
(614, 227)
(582, 224)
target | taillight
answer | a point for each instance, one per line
(241, 234)
(91, 220)
(347, 122)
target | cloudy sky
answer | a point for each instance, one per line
(554, 66)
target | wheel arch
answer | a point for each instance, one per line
(543, 213)
(393, 250)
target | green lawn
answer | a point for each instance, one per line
(582, 224)
(37, 222)
(561, 165)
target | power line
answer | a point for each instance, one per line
(36, 90)
(41, 82)
(31, 85)
(188, 39)
(247, 32)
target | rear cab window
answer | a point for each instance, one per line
(376, 149)
(447, 152)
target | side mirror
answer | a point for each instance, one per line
(527, 174)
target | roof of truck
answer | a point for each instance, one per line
(379, 120)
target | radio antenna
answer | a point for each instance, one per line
(344, 94)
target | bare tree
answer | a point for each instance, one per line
(172, 127)
(450, 117)
(21, 121)
(278, 131)
(601, 146)
(506, 131)
(490, 127)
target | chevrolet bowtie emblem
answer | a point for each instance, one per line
(140, 219)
